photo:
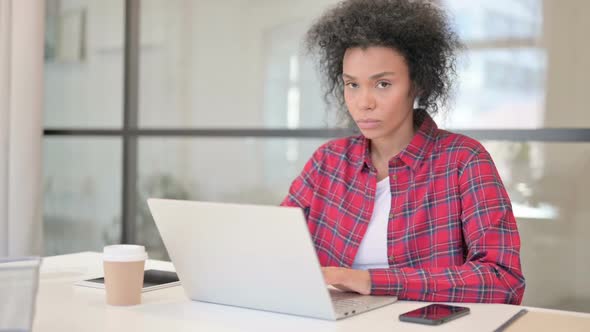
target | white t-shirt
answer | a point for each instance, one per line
(372, 253)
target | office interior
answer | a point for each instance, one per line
(216, 100)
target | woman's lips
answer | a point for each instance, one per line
(368, 124)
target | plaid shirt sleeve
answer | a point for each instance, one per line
(491, 272)
(302, 188)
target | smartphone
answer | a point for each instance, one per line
(434, 314)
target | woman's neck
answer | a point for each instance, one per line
(387, 147)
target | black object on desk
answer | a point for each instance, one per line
(434, 314)
(150, 278)
(511, 320)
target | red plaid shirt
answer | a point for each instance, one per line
(451, 235)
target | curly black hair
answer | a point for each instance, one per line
(418, 29)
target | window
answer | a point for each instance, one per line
(214, 100)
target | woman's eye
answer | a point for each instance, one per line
(351, 85)
(383, 84)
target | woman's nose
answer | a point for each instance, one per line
(366, 100)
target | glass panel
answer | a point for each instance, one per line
(500, 19)
(82, 188)
(548, 186)
(84, 63)
(499, 88)
(229, 64)
(244, 170)
(525, 66)
(546, 183)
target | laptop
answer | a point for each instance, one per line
(251, 256)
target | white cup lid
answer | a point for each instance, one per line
(124, 253)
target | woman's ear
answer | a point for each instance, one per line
(416, 103)
(415, 93)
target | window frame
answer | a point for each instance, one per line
(130, 133)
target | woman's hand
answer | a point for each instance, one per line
(347, 279)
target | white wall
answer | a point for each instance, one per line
(21, 88)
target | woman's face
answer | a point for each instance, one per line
(377, 91)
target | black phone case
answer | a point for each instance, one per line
(440, 321)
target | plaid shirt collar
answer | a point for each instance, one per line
(414, 153)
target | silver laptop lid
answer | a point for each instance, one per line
(259, 257)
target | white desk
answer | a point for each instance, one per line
(61, 306)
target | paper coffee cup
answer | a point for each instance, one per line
(123, 273)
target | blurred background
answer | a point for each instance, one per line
(216, 100)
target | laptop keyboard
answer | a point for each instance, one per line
(345, 301)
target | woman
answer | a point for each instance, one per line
(405, 208)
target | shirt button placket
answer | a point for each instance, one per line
(393, 178)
